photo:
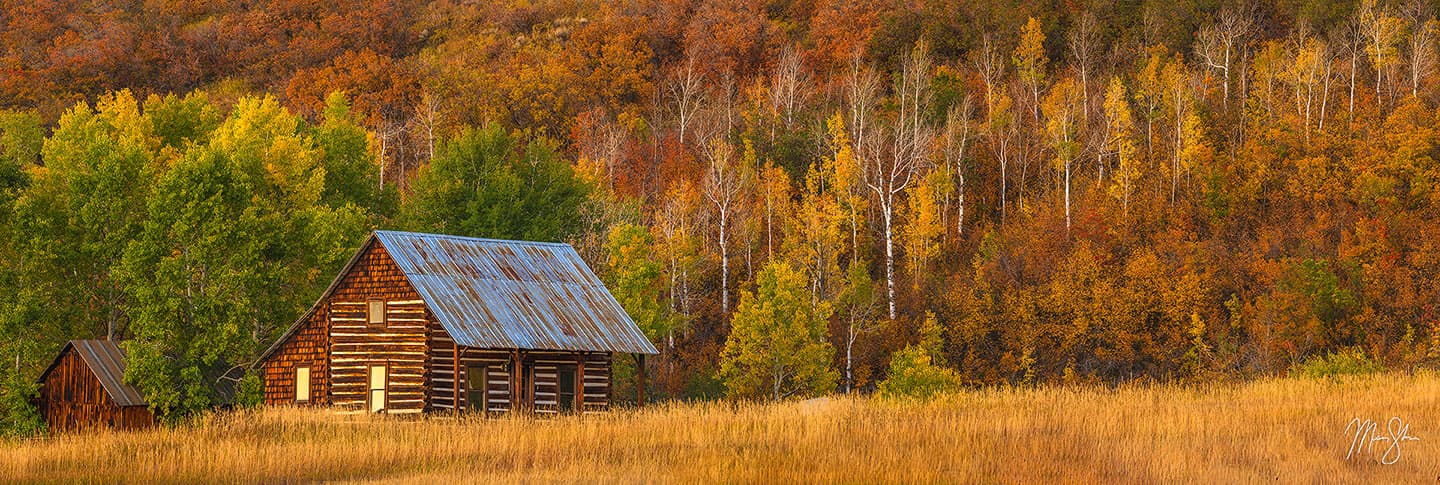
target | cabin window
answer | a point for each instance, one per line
(565, 396)
(476, 386)
(302, 384)
(375, 313)
(376, 395)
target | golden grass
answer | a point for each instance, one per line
(1282, 430)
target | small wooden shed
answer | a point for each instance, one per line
(430, 322)
(85, 387)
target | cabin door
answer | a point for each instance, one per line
(565, 392)
(377, 387)
(477, 385)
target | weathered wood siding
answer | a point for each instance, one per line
(547, 385)
(545, 364)
(399, 344)
(307, 348)
(73, 398)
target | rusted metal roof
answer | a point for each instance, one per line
(514, 294)
(107, 361)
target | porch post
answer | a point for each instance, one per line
(455, 380)
(515, 380)
(580, 382)
(640, 378)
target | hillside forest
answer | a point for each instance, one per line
(790, 197)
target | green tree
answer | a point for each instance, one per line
(178, 121)
(635, 280)
(238, 240)
(778, 346)
(481, 184)
(17, 416)
(80, 212)
(197, 276)
(633, 275)
(351, 160)
(919, 369)
(21, 138)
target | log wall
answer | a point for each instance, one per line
(399, 344)
(545, 364)
(72, 398)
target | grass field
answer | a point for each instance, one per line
(1284, 430)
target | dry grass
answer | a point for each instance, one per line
(1274, 430)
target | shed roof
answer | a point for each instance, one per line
(107, 361)
(492, 293)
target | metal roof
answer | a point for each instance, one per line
(514, 294)
(107, 361)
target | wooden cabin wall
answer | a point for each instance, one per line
(442, 375)
(547, 377)
(400, 344)
(442, 372)
(72, 398)
(307, 348)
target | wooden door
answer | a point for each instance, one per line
(377, 395)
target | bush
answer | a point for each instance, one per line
(1351, 361)
(914, 374)
(250, 393)
(18, 417)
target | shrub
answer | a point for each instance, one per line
(250, 392)
(1350, 361)
(919, 370)
(914, 374)
(18, 417)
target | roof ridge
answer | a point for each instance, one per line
(470, 238)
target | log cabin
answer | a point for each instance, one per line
(427, 322)
(85, 388)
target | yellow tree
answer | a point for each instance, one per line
(1194, 150)
(1120, 140)
(1184, 119)
(1309, 67)
(1062, 118)
(1219, 44)
(955, 138)
(815, 237)
(1150, 94)
(679, 243)
(999, 133)
(900, 152)
(1420, 44)
(776, 193)
(726, 179)
(1030, 61)
(921, 235)
(847, 181)
(779, 343)
(1382, 30)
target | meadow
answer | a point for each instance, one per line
(1274, 430)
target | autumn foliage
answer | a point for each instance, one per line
(1077, 191)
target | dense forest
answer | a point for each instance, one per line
(790, 197)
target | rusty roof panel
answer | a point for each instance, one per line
(107, 361)
(514, 294)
